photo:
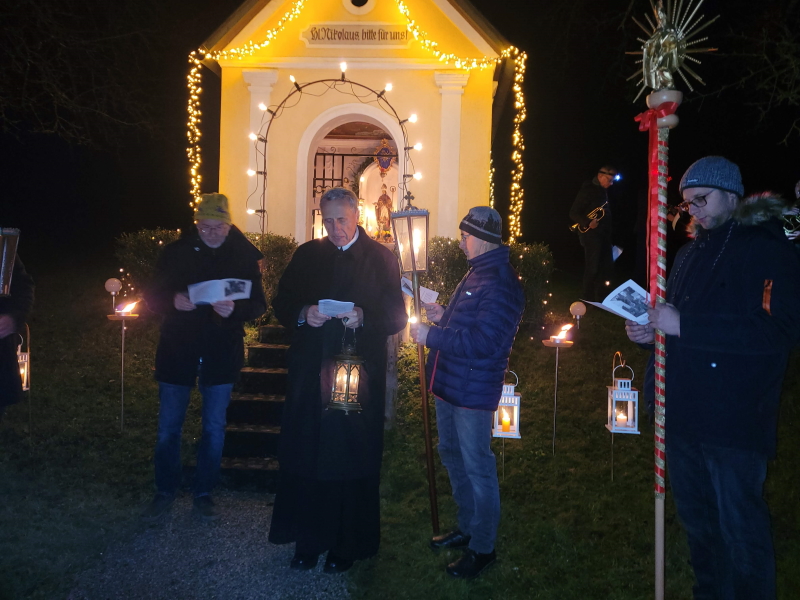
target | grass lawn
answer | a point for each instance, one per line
(71, 482)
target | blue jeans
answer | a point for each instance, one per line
(719, 495)
(465, 437)
(174, 402)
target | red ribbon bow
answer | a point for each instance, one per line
(649, 118)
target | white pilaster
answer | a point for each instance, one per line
(451, 87)
(259, 84)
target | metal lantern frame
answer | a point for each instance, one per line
(24, 359)
(508, 407)
(346, 377)
(316, 224)
(622, 400)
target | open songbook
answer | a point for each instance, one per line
(629, 301)
(216, 290)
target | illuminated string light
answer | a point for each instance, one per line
(194, 81)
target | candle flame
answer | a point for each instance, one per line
(412, 319)
(505, 415)
(564, 331)
(128, 308)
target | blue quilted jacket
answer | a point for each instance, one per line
(471, 343)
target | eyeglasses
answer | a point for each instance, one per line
(464, 236)
(216, 229)
(697, 202)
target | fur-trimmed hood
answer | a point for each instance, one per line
(759, 208)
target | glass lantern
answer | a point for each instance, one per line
(24, 362)
(623, 402)
(506, 417)
(317, 229)
(346, 376)
(410, 227)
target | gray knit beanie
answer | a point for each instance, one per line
(713, 172)
(484, 223)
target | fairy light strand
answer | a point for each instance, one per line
(194, 84)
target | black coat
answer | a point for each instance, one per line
(18, 305)
(592, 195)
(330, 444)
(189, 336)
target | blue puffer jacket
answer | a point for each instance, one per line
(471, 343)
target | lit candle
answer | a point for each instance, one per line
(128, 309)
(506, 421)
(562, 336)
(622, 419)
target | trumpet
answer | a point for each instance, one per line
(598, 213)
(791, 220)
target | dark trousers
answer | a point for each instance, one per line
(719, 495)
(598, 265)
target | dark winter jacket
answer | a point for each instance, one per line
(737, 288)
(18, 306)
(330, 444)
(592, 195)
(472, 341)
(201, 335)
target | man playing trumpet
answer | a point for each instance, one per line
(595, 232)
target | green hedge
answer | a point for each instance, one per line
(534, 263)
(277, 251)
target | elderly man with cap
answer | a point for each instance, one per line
(731, 319)
(470, 341)
(199, 343)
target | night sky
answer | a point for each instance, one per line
(74, 200)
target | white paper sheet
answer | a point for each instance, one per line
(216, 290)
(426, 295)
(629, 301)
(334, 307)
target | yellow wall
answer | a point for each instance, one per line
(415, 91)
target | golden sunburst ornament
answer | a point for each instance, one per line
(671, 43)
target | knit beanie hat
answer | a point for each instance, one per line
(713, 172)
(484, 223)
(213, 206)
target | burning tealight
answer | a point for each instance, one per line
(562, 336)
(127, 309)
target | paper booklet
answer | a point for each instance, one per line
(334, 307)
(426, 295)
(629, 301)
(215, 290)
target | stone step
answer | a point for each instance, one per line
(249, 440)
(274, 334)
(268, 356)
(258, 380)
(263, 409)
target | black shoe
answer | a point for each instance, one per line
(157, 508)
(470, 564)
(304, 562)
(203, 508)
(454, 539)
(335, 564)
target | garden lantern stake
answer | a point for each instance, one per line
(123, 314)
(24, 359)
(410, 228)
(623, 404)
(506, 417)
(557, 342)
(346, 376)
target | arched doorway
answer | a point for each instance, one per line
(340, 144)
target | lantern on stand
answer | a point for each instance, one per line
(506, 417)
(410, 228)
(557, 341)
(317, 229)
(122, 314)
(346, 375)
(623, 401)
(24, 359)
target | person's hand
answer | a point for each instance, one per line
(181, 302)
(433, 311)
(314, 317)
(793, 235)
(666, 318)
(354, 318)
(594, 223)
(223, 308)
(419, 332)
(7, 326)
(640, 334)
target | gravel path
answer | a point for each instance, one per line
(182, 559)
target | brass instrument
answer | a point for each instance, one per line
(598, 213)
(791, 221)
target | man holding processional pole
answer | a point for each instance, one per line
(732, 318)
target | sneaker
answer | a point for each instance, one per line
(204, 509)
(159, 507)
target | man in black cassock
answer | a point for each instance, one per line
(330, 460)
